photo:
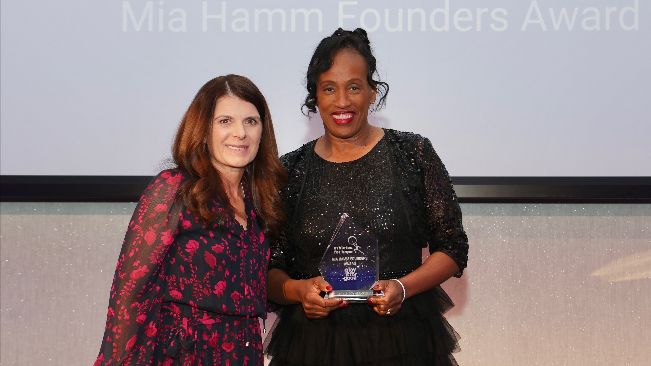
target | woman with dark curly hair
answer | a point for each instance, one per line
(391, 183)
(190, 280)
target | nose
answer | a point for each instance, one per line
(239, 130)
(341, 99)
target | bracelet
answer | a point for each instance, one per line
(404, 292)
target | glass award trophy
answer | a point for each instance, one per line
(350, 262)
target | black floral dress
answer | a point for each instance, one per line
(186, 293)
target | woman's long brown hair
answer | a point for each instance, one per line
(263, 177)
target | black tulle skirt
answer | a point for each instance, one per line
(355, 335)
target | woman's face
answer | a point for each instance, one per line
(344, 96)
(235, 135)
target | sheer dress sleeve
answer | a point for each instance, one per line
(135, 295)
(294, 163)
(443, 214)
(279, 252)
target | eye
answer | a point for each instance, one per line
(251, 121)
(355, 88)
(223, 121)
(328, 90)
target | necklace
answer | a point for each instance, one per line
(239, 214)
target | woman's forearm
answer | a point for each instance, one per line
(275, 280)
(283, 289)
(436, 269)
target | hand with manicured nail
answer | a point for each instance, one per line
(391, 302)
(313, 304)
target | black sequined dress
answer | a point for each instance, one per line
(401, 192)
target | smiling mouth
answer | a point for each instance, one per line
(343, 118)
(238, 148)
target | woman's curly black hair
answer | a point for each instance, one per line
(325, 52)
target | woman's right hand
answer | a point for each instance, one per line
(314, 305)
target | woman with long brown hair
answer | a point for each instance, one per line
(190, 285)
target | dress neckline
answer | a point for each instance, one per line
(361, 158)
(248, 207)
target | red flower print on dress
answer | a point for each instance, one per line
(176, 294)
(192, 246)
(236, 296)
(130, 343)
(186, 224)
(206, 320)
(261, 239)
(217, 248)
(210, 259)
(140, 319)
(228, 346)
(175, 309)
(213, 341)
(139, 272)
(150, 237)
(167, 237)
(151, 330)
(99, 360)
(161, 207)
(174, 179)
(219, 288)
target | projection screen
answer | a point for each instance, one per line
(502, 87)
